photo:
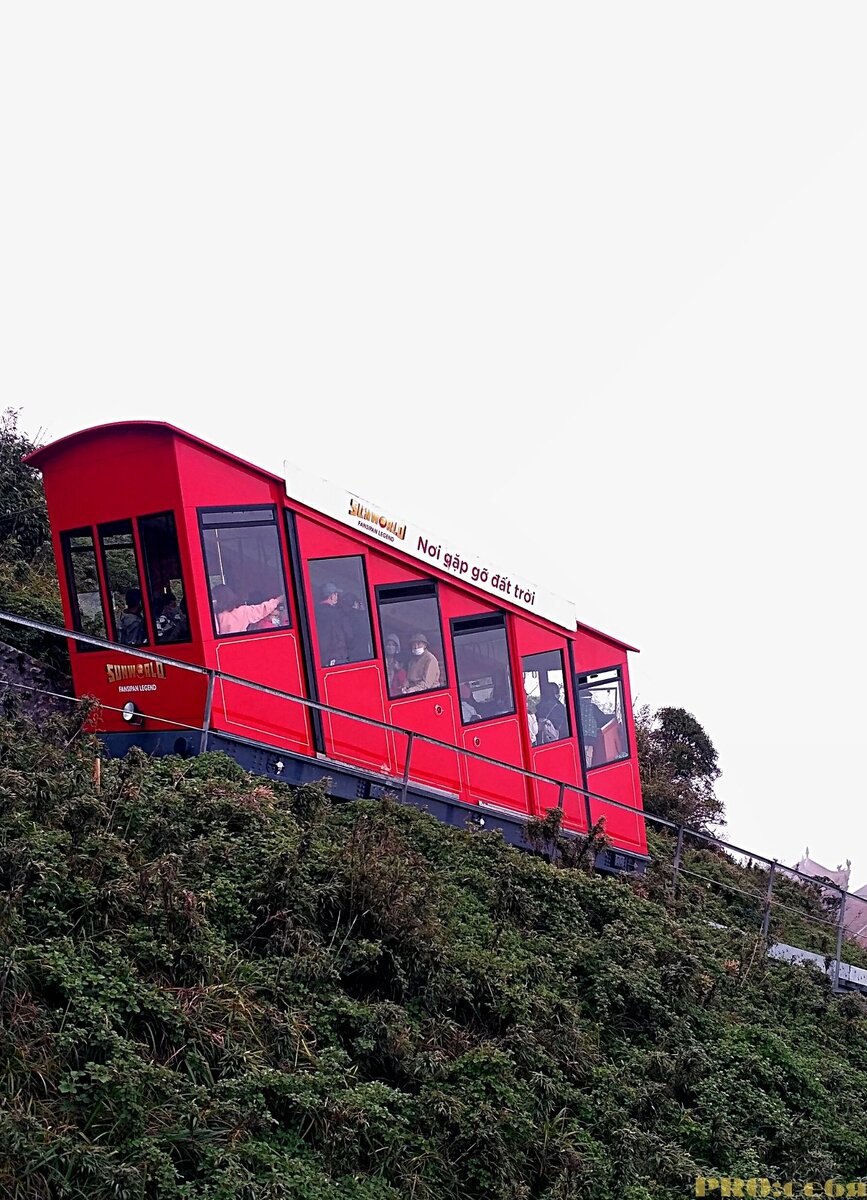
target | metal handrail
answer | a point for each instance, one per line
(223, 676)
(412, 736)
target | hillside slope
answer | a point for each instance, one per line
(212, 988)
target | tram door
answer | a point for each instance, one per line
(244, 563)
(548, 713)
(603, 706)
(489, 704)
(418, 676)
(343, 647)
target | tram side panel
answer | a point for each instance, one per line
(394, 644)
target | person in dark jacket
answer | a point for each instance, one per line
(357, 627)
(130, 625)
(551, 709)
(331, 628)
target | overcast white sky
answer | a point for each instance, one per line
(582, 283)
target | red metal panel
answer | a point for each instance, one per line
(210, 479)
(115, 474)
(167, 698)
(431, 713)
(559, 760)
(274, 660)
(624, 829)
(499, 739)
(358, 688)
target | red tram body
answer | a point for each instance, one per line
(295, 585)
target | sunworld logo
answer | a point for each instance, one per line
(121, 672)
(376, 519)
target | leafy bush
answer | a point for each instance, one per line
(211, 987)
(28, 577)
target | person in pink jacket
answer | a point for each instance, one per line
(233, 617)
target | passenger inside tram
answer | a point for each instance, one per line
(259, 593)
(423, 671)
(356, 624)
(394, 667)
(469, 712)
(532, 721)
(234, 617)
(171, 623)
(601, 731)
(333, 648)
(551, 711)
(130, 624)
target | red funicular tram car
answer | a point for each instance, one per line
(172, 546)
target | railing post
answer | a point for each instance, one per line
(209, 703)
(678, 850)
(766, 915)
(840, 919)
(410, 739)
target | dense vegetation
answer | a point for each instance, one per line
(216, 988)
(28, 577)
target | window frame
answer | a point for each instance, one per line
(168, 512)
(424, 589)
(581, 684)
(205, 509)
(491, 620)
(67, 552)
(315, 606)
(146, 613)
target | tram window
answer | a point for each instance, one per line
(123, 580)
(82, 581)
(244, 564)
(165, 581)
(545, 694)
(484, 675)
(339, 590)
(409, 618)
(600, 713)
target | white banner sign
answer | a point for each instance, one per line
(451, 557)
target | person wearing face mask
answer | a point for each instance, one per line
(423, 671)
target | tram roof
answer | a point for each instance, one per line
(39, 457)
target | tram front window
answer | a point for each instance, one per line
(123, 578)
(82, 581)
(245, 570)
(165, 581)
(600, 713)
